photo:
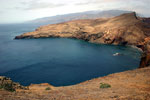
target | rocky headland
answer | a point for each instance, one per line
(126, 29)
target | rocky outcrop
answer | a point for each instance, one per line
(9, 85)
(126, 29)
(145, 59)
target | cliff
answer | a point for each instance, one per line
(126, 29)
(145, 59)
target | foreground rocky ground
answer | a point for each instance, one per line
(129, 85)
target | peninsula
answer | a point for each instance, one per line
(126, 29)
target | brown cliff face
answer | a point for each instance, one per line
(126, 29)
(145, 59)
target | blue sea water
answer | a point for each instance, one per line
(59, 61)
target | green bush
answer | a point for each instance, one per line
(104, 85)
(48, 88)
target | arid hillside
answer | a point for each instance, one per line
(123, 29)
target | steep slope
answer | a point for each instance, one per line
(126, 29)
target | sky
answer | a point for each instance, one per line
(16, 11)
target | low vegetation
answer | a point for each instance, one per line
(104, 85)
(48, 88)
(7, 87)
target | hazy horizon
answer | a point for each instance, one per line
(17, 11)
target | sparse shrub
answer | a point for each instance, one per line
(104, 85)
(1, 87)
(48, 88)
(7, 87)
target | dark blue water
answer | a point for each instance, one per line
(59, 61)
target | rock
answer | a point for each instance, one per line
(9, 85)
(145, 60)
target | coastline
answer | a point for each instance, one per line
(128, 85)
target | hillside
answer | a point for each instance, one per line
(123, 29)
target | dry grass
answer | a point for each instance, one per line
(129, 85)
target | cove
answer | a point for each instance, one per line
(59, 61)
